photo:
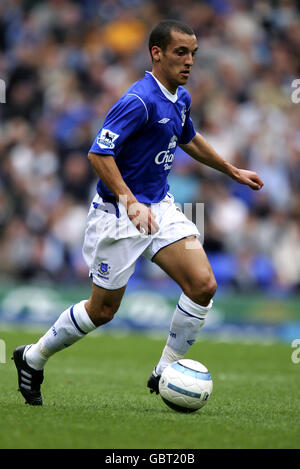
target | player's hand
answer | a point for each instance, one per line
(143, 218)
(250, 178)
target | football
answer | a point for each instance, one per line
(185, 385)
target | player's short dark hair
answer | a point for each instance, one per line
(161, 35)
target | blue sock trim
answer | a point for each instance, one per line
(189, 314)
(75, 322)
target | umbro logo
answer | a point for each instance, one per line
(164, 120)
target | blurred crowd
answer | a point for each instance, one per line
(65, 62)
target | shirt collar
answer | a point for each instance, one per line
(167, 93)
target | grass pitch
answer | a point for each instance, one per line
(95, 396)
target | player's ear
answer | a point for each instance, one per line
(156, 53)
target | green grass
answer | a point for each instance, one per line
(95, 397)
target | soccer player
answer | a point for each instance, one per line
(133, 214)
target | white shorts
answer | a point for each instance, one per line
(112, 244)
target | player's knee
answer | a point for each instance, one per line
(107, 314)
(104, 314)
(201, 290)
(211, 287)
(101, 314)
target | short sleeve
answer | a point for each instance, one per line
(125, 118)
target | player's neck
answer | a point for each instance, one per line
(171, 88)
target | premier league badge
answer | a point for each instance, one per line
(107, 139)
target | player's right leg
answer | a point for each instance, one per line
(72, 325)
(111, 247)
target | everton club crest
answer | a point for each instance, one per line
(183, 115)
(103, 269)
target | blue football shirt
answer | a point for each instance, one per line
(142, 131)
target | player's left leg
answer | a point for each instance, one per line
(185, 262)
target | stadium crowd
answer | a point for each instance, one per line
(65, 62)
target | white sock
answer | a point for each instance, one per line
(73, 324)
(168, 356)
(186, 322)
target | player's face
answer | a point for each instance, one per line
(173, 65)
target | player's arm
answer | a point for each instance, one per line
(124, 119)
(107, 170)
(199, 149)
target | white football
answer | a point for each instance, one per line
(185, 385)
